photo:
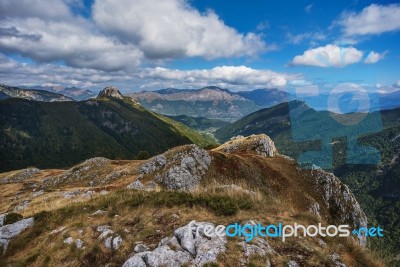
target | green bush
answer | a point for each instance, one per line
(143, 155)
(12, 218)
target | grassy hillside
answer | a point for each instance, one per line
(377, 187)
(61, 134)
(237, 186)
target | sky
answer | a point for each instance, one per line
(239, 45)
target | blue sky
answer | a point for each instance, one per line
(239, 45)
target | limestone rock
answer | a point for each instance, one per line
(339, 200)
(292, 264)
(136, 185)
(186, 247)
(113, 242)
(141, 248)
(260, 144)
(110, 92)
(183, 171)
(9, 231)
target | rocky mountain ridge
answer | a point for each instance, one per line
(136, 213)
(31, 94)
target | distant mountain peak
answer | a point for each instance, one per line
(111, 92)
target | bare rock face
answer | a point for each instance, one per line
(260, 144)
(111, 92)
(339, 200)
(9, 231)
(182, 170)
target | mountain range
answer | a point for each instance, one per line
(31, 94)
(71, 92)
(210, 102)
(49, 134)
(215, 103)
(52, 135)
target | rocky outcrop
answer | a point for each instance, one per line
(339, 201)
(181, 170)
(20, 176)
(94, 171)
(186, 247)
(260, 144)
(110, 92)
(191, 247)
(9, 231)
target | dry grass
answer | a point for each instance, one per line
(272, 190)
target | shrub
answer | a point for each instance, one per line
(12, 218)
(143, 155)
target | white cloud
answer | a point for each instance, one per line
(329, 56)
(121, 35)
(299, 38)
(173, 29)
(374, 57)
(233, 77)
(34, 8)
(225, 76)
(64, 37)
(374, 19)
(308, 8)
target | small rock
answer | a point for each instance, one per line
(21, 206)
(98, 212)
(117, 242)
(88, 194)
(38, 193)
(141, 248)
(137, 185)
(58, 230)
(79, 244)
(71, 194)
(321, 243)
(105, 231)
(69, 241)
(292, 264)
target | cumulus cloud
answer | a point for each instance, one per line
(34, 8)
(222, 76)
(374, 57)
(374, 19)
(173, 29)
(233, 77)
(329, 56)
(28, 30)
(120, 35)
